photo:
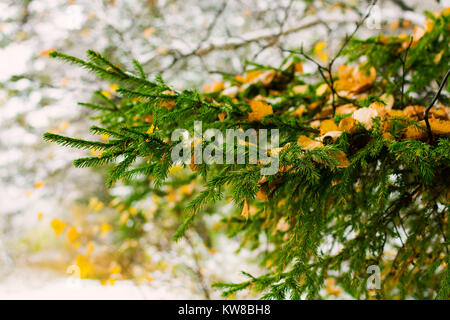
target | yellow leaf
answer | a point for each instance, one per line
(245, 210)
(308, 144)
(260, 109)
(151, 129)
(186, 189)
(300, 89)
(437, 57)
(414, 112)
(341, 157)
(348, 124)
(380, 108)
(85, 267)
(299, 111)
(327, 126)
(58, 226)
(354, 80)
(414, 132)
(168, 104)
(331, 287)
(47, 52)
(446, 11)
(105, 228)
(124, 218)
(440, 127)
(222, 116)
(39, 184)
(429, 25)
(95, 204)
(417, 35)
(115, 268)
(346, 108)
(175, 169)
(251, 75)
(72, 235)
(99, 206)
(396, 113)
(171, 196)
(319, 51)
(322, 89)
(298, 67)
(216, 86)
(262, 195)
(114, 87)
(133, 211)
(106, 93)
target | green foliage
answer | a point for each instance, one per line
(387, 207)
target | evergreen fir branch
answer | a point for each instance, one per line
(136, 94)
(100, 160)
(106, 132)
(111, 74)
(77, 143)
(99, 59)
(96, 107)
(205, 197)
(139, 69)
(106, 100)
(181, 231)
(89, 66)
(444, 292)
(119, 171)
(141, 171)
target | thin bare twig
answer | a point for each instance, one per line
(195, 52)
(198, 270)
(403, 60)
(441, 87)
(329, 80)
(280, 32)
(339, 52)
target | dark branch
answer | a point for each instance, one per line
(441, 87)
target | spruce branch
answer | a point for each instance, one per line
(77, 143)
